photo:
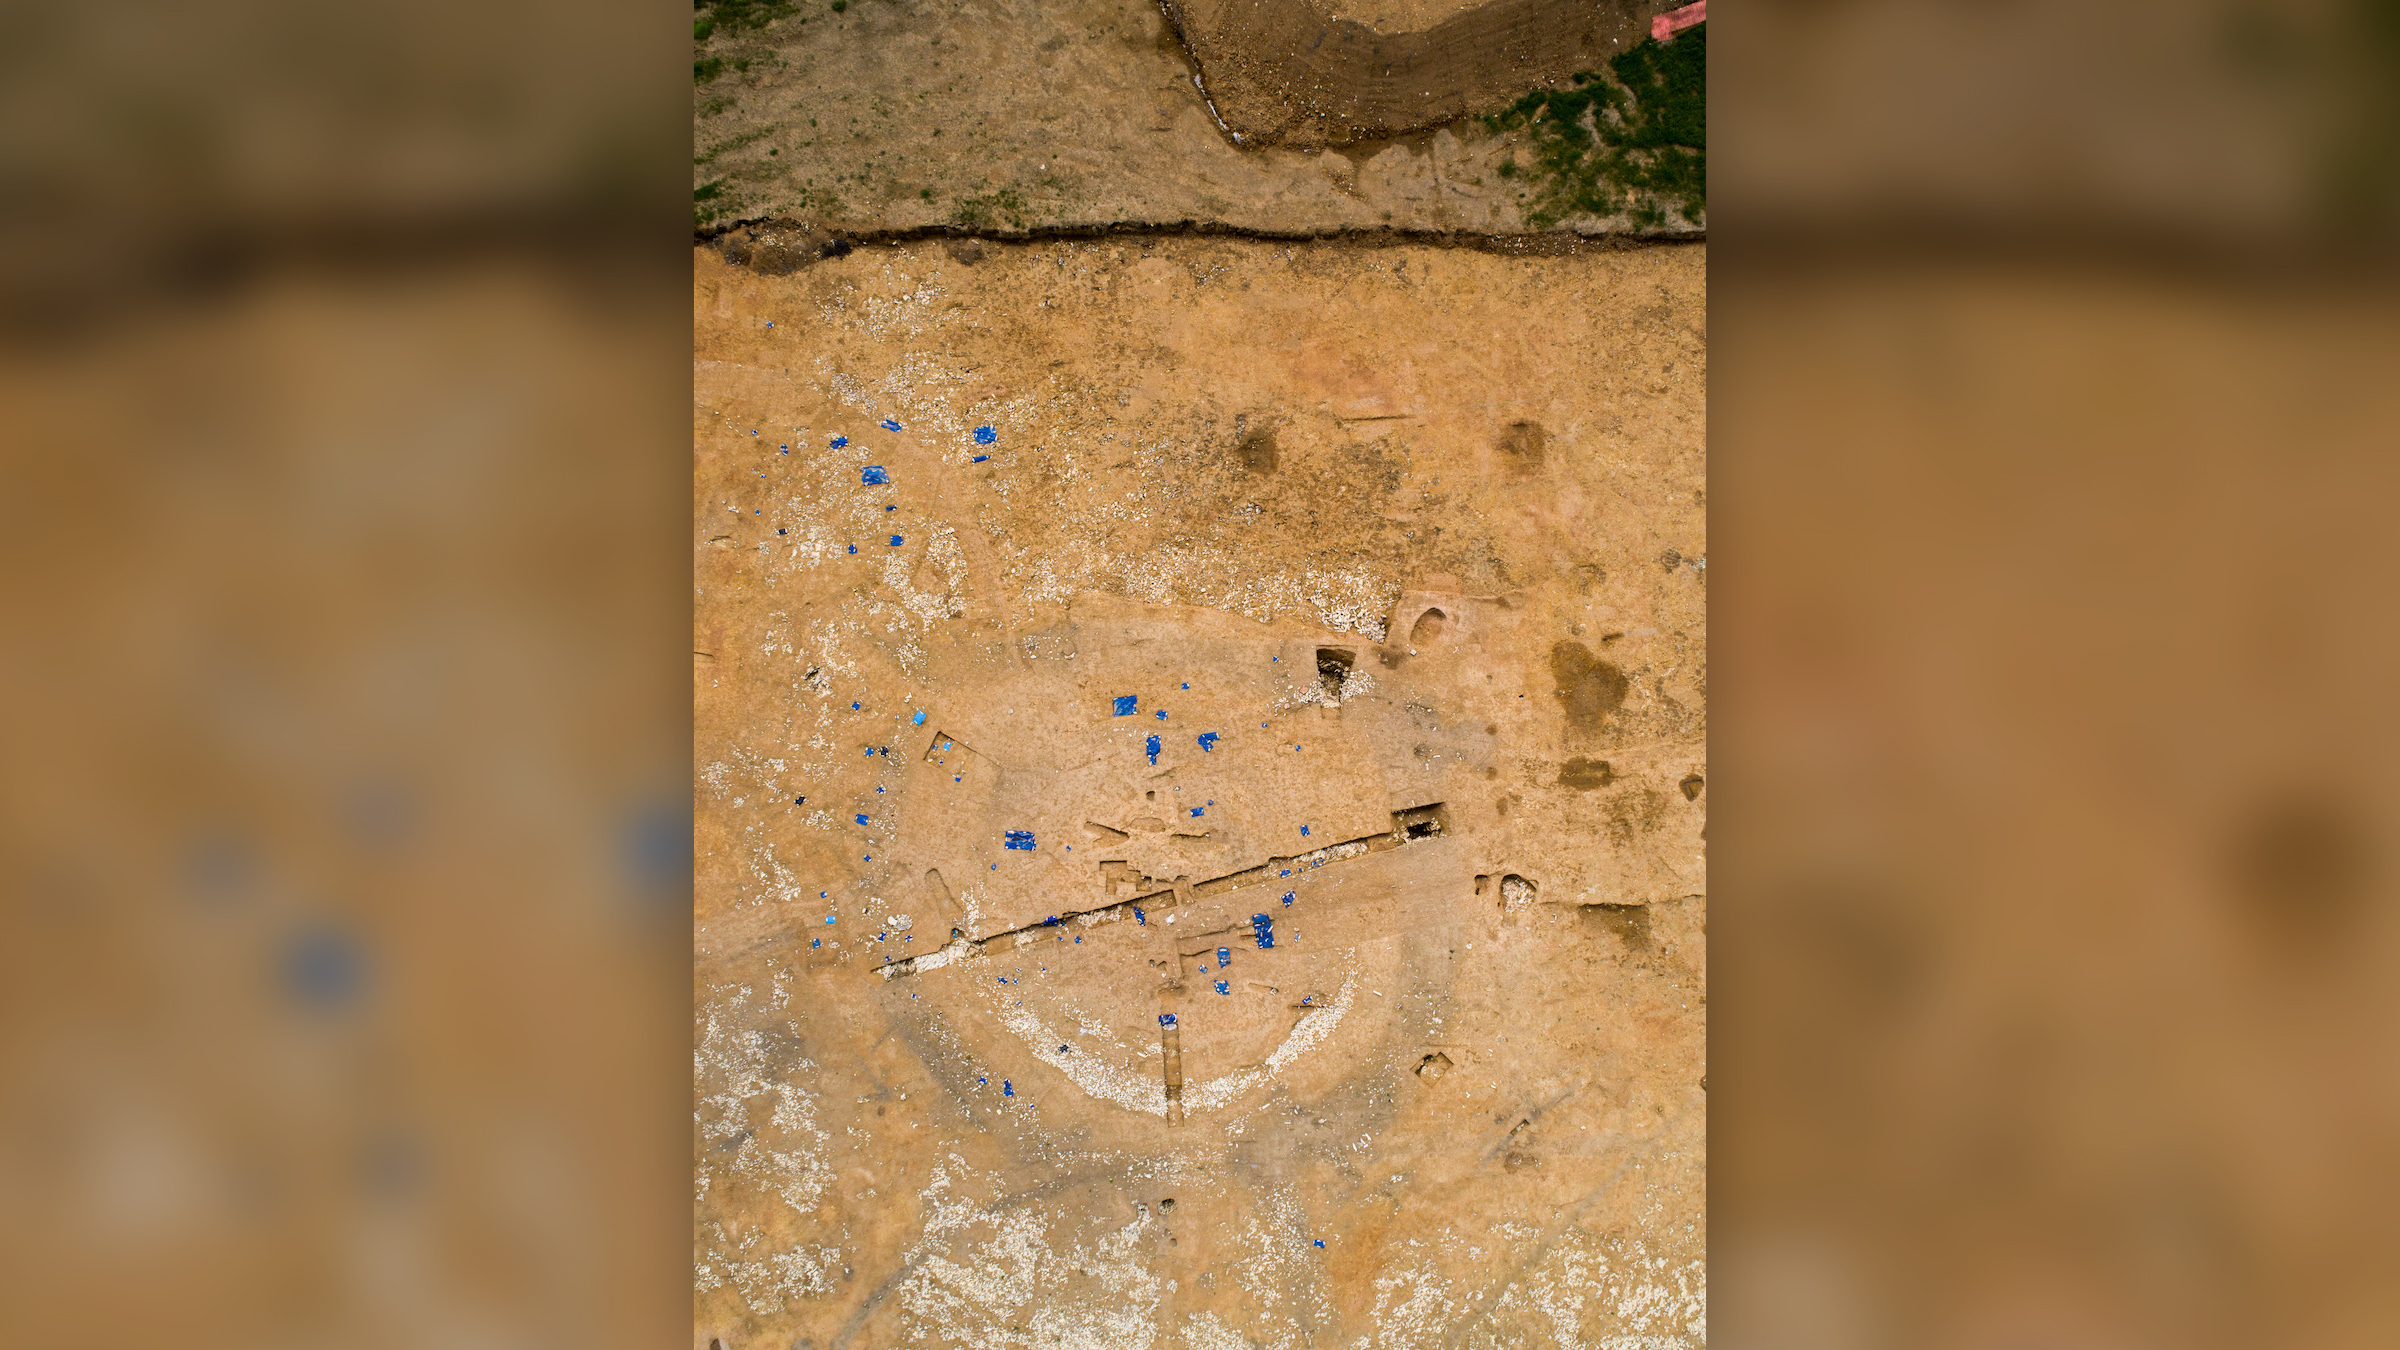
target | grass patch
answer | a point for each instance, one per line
(735, 15)
(707, 69)
(1633, 140)
(746, 138)
(991, 208)
(710, 204)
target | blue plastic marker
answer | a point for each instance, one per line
(919, 720)
(1152, 747)
(838, 442)
(985, 435)
(1123, 705)
(890, 424)
(1222, 989)
(1224, 957)
(1208, 743)
(873, 474)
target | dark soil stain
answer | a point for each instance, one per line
(1630, 923)
(1589, 689)
(1254, 444)
(1635, 812)
(1522, 447)
(1583, 774)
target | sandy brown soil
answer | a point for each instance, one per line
(1399, 554)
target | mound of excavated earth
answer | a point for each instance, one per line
(1324, 72)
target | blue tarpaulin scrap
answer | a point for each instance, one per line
(862, 820)
(1162, 714)
(1303, 829)
(873, 473)
(1152, 747)
(1139, 917)
(1222, 989)
(838, 442)
(895, 541)
(890, 424)
(1262, 926)
(1123, 704)
(1208, 742)
(1287, 899)
(1166, 1019)
(1017, 839)
(980, 459)
(986, 435)
(1196, 810)
(1224, 957)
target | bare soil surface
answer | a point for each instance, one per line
(1303, 643)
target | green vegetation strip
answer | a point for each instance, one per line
(1633, 140)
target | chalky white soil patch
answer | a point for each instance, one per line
(1002, 1277)
(783, 1154)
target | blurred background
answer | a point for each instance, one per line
(2054, 418)
(345, 844)
(345, 838)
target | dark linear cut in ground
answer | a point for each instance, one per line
(822, 243)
